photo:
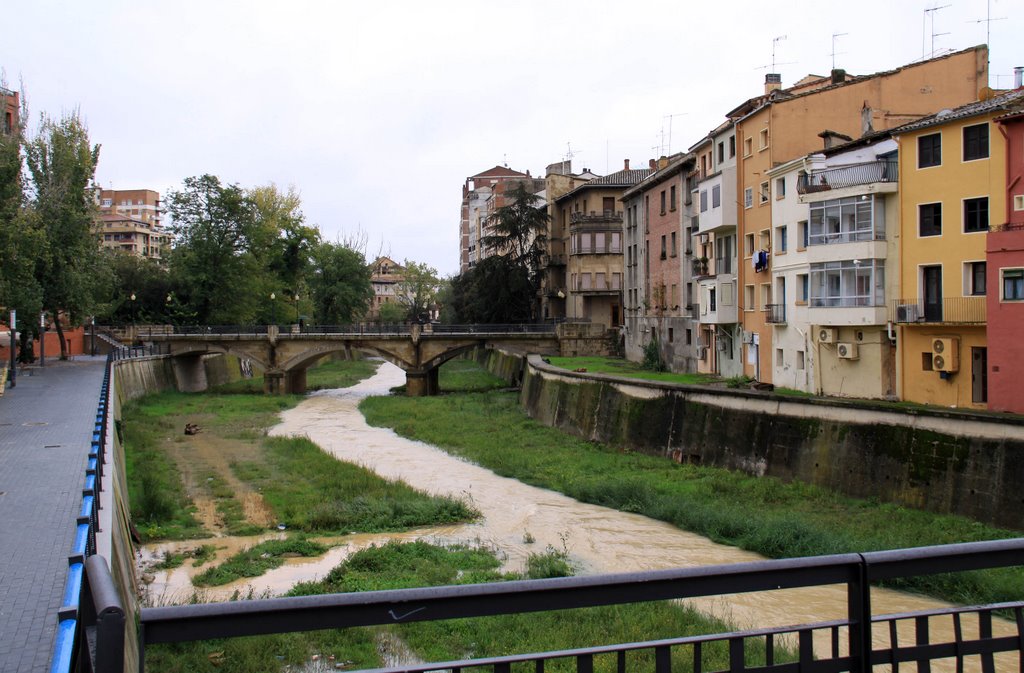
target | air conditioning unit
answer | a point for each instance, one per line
(907, 313)
(847, 351)
(946, 354)
(721, 345)
(827, 335)
(748, 337)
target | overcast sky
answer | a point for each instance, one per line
(376, 112)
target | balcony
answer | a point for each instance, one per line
(596, 217)
(954, 310)
(598, 288)
(555, 260)
(775, 314)
(848, 176)
(700, 268)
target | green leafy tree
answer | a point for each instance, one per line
(417, 290)
(155, 298)
(494, 291)
(392, 312)
(62, 164)
(213, 262)
(283, 243)
(339, 284)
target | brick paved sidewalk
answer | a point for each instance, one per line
(45, 427)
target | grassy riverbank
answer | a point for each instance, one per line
(419, 564)
(763, 515)
(232, 478)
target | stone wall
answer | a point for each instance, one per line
(947, 462)
(136, 377)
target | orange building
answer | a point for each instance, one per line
(784, 124)
(10, 106)
(953, 186)
(132, 220)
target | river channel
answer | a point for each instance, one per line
(597, 539)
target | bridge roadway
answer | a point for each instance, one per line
(286, 354)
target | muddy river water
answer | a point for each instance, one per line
(598, 540)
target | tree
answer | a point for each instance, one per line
(393, 312)
(62, 164)
(339, 284)
(213, 263)
(417, 289)
(283, 243)
(494, 291)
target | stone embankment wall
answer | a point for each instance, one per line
(140, 376)
(947, 462)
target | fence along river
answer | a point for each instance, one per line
(598, 539)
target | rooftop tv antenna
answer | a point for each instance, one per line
(929, 13)
(775, 42)
(988, 29)
(669, 117)
(834, 52)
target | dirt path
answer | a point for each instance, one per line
(203, 456)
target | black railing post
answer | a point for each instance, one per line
(858, 612)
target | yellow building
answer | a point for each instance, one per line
(784, 124)
(131, 220)
(952, 187)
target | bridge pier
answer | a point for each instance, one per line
(292, 382)
(189, 373)
(421, 383)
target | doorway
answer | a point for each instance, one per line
(979, 375)
(932, 281)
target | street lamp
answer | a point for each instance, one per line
(296, 308)
(273, 309)
(133, 312)
(42, 339)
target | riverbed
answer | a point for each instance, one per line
(517, 520)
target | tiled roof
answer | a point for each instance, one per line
(624, 178)
(499, 171)
(1006, 101)
(656, 177)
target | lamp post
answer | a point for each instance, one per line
(133, 316)
(13, 371)
(273, 309)
(42, 338)
(93, 347)
(296, 308)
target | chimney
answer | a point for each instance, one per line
(838, 75)
(772, 82)
(652, 164)
(866, 126)
(1018, 77)
(662, 162)
(627, 165)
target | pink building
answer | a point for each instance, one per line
(1005, 276)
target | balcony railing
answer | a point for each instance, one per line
(700, 268)
(956, 310)
(556, 260)
(1007, 226)
(724, 265)
(775, 313)
(595, 216)
(848, 176)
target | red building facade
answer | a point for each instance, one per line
(1004, 257)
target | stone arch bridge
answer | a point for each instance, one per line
(285, 354)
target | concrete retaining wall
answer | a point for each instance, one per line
(952, 462)
(140, 376)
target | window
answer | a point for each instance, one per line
(929, 150)
(846, 220)
(1018, 202)
(803, 234)
(780, 360)
(930, 219)
(976, 214)
(689, 337)
(675, 296)
(671, 334)
(732, 146)
(673, 249)
(766, 295)
(748, 297)
(748, 146)
(712, 299)
(765, 193)
(781, 234)
(721, 152)
(1013, 284)
(976, 142)
(780, 188)
(802, 289)
(847, 283)
(748, 197)
(608, 204)
(663, 247)
(799, 359)
(974, 278)
(663, 202)
(703, 200)
(716, 196)
(763, 139)
(749, 242)
(672, 198)
(926, 362)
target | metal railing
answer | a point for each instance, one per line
(302, 330)
(581, 217)
(955, 310)
(850, 638)
(848, 176)
(775, 313)
(80, 600)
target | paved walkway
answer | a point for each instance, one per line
(45, 429)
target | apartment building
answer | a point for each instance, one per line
(784, 124)
(594, 241)
(131, 220)
(657, 294)
(558, 181)
(481, 195)
(385, 275)
(835, 269)
(10, 109)
(714, 260)
(953, 186)
(1004, 258)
